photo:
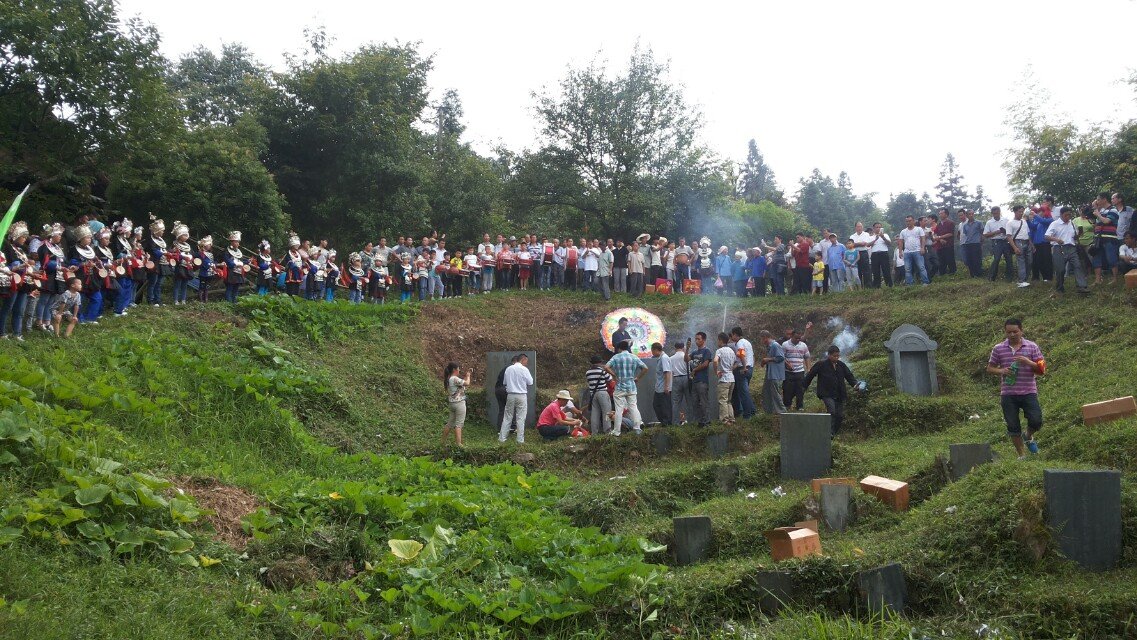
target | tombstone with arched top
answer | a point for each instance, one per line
(912, 360)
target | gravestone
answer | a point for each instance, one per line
(726, 478)
(1083, 513)
(837, 506)
(883, 588)
(965, 457)
(807, 445)
(691, 537)
(912, 360)
(645, 391)
(775, 589)
(718, 444)
(495, 362)
(661, 440)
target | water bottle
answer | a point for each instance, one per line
(1010, 378)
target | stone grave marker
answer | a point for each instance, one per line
(691, 537)
(726, 478)
(718, 444)
(661, 441)
(965, 457)
(807, 445)
(837, 510)
(645, 391)
(776, 589)
(495, 362)
(1083, 513)
(883, 588)
(912, 360)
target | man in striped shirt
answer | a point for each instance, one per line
(1017, 361)
(600, 403)
(797, 363)
(627, 370)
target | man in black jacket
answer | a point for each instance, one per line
(831, 376)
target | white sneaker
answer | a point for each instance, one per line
(638, 431)
(615, 434)
(1023, 285)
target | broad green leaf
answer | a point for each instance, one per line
(405, 549)
(92, 495)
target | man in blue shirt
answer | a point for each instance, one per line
(775, 363)
(626, 369)
(971, 242)
(757, 268)
(1039, 219)
(699, 360)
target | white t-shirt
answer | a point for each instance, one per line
(994, 225)
(912, 238)
(1126, 254)
(679, 363)
(880, 244)
(1064, 231)
(1017, 230)
(517, 378)
(590, 259)
(471, 261)
(796, 355)
(858, 238)
(726, 361)
(747, 349)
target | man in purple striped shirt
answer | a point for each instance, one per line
(1018, 360)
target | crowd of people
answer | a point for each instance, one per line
(78, 273)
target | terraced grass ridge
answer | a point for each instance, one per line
(274, 470)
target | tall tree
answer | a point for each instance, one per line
(829, 205)
(950, 191)
(756, 180)
(906, 203)
(342, 142)
(630, 139)
(79, 88)
(219, 89)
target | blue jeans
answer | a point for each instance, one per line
(914, 261)
(546, 276)
(1001, 249)
(231, 291)
(330, 294)
(354, 297)
(778, 282)
(1107, 257)
(487, 278)
(12, 313)
(262, 288)
(181, 289)
(43, 307)
(93, 307)
(424, 288)
(743, 401)
(125, 294)
(154, 287)
(588, 282)
(1030, 408)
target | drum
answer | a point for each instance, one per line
(440, 269)
(682, 259)
(16, 279)
(526, 262)
(102, 272)
(197, 262)
(245, 268)
(120, 270)
(150, 265)
(453, 271)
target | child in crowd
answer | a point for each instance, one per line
(67, 307)
(818, 276)
(852, 271)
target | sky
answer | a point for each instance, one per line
(882, 90)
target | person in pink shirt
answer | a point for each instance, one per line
(553, 423)
(1017, 361)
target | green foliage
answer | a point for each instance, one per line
(219, 89)
(318, 321)
(829, 205)
(756, 181)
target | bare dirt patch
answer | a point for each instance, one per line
(227, 503)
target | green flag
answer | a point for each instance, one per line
(11, 215)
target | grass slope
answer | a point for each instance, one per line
(286, 401)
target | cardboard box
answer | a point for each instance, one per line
(894, 493)
(816, 483)
(807, 524)
(692, 286)
(1115, 409)
(649, 288)
(793, 542)
(663, 286)
(1131, 279)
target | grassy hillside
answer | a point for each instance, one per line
(274, 471)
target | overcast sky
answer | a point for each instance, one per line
(882, 90)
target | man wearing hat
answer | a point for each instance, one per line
(235, 263)
(553, 423)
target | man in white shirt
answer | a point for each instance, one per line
(742, 401)
(517, 382)
(822, 249)
(912, 244)
(664, 385)
(1063, 237)
(559, 255)
(1018, 238)
(680, 389)
(590, 262)
(682, 265)
(862, 240)
(724, 362)
(1127, 254)
(995, 231)
(878, 256)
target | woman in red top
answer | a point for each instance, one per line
(803, 270)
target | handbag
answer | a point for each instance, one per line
(718, 282)
(1095, 246)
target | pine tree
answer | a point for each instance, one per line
(756, 180)
(951, 192)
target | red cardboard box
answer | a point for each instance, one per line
(1115, 409)
(894, 493)
(793, 542)
(692, 286)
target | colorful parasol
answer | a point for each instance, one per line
(644, 327)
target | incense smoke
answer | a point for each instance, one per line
(848, 338)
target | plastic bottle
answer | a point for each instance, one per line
(1011, 377)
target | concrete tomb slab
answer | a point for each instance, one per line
(776, 590)
(806, 445)
(691, 538)
(495, 362)
(965, 457)
(726, 478)
(1083, 513)
(883, 588)
(837, 509)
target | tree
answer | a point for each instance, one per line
(756, 180)
(827, 205)
(219, 89)
(630, 142)
(905, 204)
(79, 89)
(951, 192)
(342, 142)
